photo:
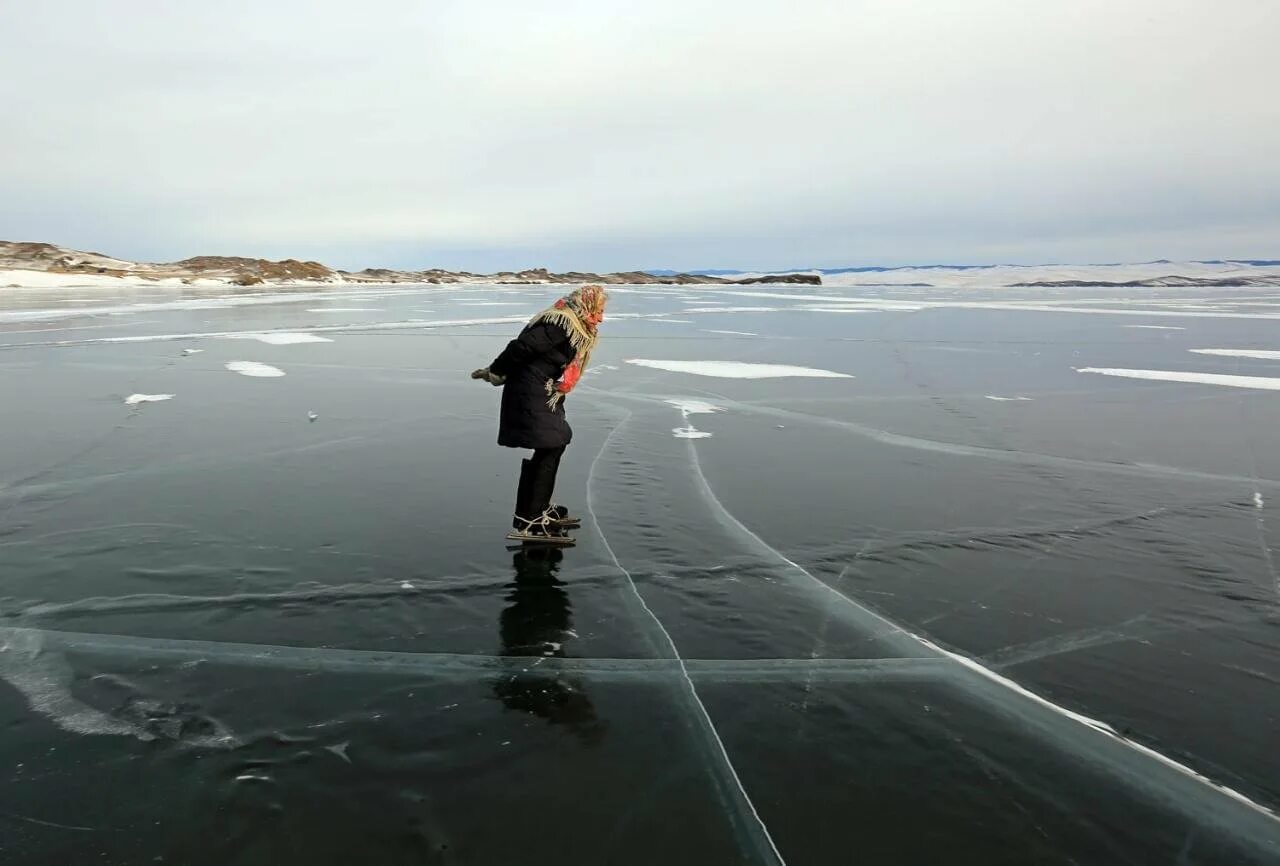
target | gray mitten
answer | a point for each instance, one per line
(492, 378)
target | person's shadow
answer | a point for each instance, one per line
(538, 622)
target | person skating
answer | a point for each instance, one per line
(536, 370)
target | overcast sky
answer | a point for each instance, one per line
(616, 135)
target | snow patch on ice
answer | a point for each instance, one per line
(815, 309)
(1007, 399)
(694, 407)
(135, 399)
(1261, 354)
(732, 333)
(345, 310)
(731, 309)
(1258, 501)
(1262, 383)
(689, 432)
(689, 407)
(736, 369)
(254, 368)
(280, 338)
(368, 326)
(1156, 327)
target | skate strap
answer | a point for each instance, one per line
(543, 520)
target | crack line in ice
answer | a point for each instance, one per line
(1083, 639)
(761, 833)
(986, 674)
(331, 659)
(55, 824)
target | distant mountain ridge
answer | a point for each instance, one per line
(1159, 273)
(33, 264)
(868, 269)
(19, 257)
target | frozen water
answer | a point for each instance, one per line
(873, 596)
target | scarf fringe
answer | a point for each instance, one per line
(553, 395)
(581, 338)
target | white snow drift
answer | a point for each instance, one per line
(254, 368)
(135, 399)
(1262, 383)
(1261, 354)
(736, 369)
(280, 338)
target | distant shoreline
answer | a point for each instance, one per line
(33, 265)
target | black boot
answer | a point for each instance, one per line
(522, 514)
(544, 485)
(532, 521)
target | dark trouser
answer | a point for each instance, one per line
(537, 482)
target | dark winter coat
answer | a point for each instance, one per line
(536, 357)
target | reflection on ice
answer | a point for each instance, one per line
(537, 623)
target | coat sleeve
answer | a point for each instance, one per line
(533, 342)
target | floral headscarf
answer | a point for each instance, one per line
(580, 313)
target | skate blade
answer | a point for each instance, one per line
(552, 541)
(568, 523)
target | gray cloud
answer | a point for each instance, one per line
(614, 135)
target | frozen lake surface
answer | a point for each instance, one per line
(973, 576)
